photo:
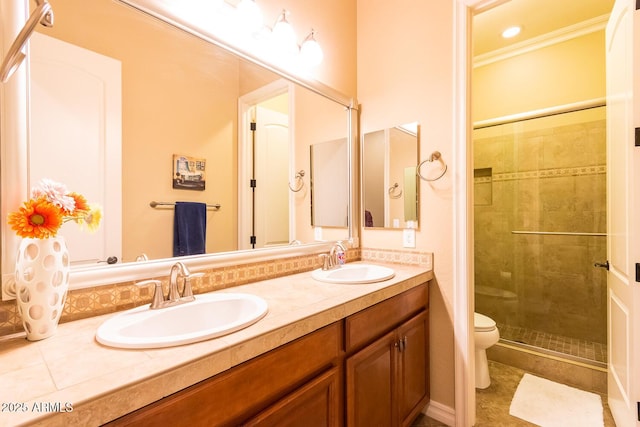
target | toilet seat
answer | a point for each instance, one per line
(483, 323)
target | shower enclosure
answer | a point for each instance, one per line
(540, 226)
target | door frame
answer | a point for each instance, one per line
(463, 302)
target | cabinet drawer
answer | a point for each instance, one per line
(247, 388)
(367, 325)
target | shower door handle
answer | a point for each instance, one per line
(602, 264)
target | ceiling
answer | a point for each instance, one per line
(536, 17)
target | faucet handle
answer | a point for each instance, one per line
(158, 298)
(187, 292)
(326, 263)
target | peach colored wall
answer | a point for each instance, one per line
(179, 129)
(335, 25)
(405, 74)
(326, 121)
(153, 58)
(521, 83)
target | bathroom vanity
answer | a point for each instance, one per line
(325, 354)
(387, 380)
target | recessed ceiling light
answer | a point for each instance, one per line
(511, 32)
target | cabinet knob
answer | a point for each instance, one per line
(401, 344)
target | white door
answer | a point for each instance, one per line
(272, 175)
(269, 212)
(75, 137)
(623, 205)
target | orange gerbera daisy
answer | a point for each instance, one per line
(38, 219)
(81, 204)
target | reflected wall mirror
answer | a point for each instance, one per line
(182, 93)
(390, 182)
(329, 173)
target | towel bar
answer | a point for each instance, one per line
(155, 204)
(559, 233)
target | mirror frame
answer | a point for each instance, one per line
(14, 127)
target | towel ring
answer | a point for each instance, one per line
(395, 192)
(435, 156)
(43, 14)
(299, 181)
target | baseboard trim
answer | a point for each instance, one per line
(443, 413)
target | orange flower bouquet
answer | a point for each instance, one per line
(50, 206)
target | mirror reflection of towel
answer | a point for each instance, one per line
(189, 228)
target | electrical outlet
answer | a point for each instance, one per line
(317, 233)
(409, 238)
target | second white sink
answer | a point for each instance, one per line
(354, 273)
(209, 316)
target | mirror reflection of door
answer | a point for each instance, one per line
(263, 173)
(271, 154)
(75, 139)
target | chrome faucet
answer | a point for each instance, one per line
(177, 270)
(331, 261)
(174, 297)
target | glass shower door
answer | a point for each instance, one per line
(540, 226)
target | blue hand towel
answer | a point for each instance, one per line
(189, 228)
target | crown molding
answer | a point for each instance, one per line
(563, 34)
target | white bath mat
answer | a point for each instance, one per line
(550, 404)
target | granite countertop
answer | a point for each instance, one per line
(70, 379)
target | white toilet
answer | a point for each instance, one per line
(486, 334)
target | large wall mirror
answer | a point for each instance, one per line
(182, 93)
(390, 182)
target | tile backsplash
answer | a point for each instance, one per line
(88, 302)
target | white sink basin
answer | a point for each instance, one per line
(354, 273)
(209, 316)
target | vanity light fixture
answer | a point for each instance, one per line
(279, 41)
(283, 36)
(310, 51)
(511, 32)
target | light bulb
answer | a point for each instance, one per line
(250, 16)
(511, 32)
(283, 37)
(310, 51)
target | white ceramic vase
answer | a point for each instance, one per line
(42, 280)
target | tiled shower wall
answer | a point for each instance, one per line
(542, 175)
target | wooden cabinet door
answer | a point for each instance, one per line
(413, 368)
(369, 384)
(316, 404)
(387, 382)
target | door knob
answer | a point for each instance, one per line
(602, 264)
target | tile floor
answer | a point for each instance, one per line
(579, 348)
(492, 404)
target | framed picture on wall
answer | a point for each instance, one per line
(188, 173)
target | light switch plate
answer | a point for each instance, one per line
(409, 238)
